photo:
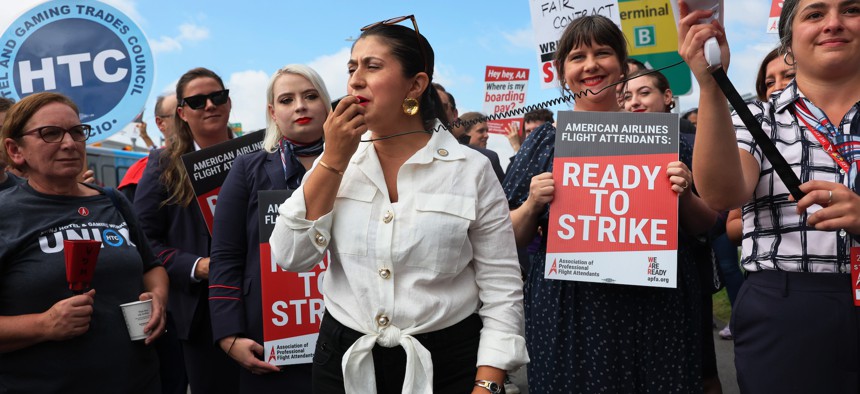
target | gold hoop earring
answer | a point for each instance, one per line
(785, 59)
(410, 106)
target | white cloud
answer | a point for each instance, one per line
(13, 9)
(248, 95)
(192, 32)
(522, 38)
(164, 44)
(747, 14)
(188, 32)
(332, 69)
(448, 77)
(128, 7)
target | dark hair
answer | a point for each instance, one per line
(402, 41)
(761, 79)
(585, 31)
(540, 114)
(634, 62)
(174, 178)
(451, 101)
(786, 18)
(6, 103)
(660, 82)
(472, 119)
(694, 111)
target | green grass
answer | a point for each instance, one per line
(722, 308)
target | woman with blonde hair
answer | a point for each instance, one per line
(297, 106)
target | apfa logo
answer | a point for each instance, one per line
(553, 268)
(86, 50)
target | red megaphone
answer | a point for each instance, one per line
(81, 256)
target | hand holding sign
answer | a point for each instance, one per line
(541, 191)
(680, 177)
(246, 352)
(512, 131)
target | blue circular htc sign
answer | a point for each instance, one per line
(86, 50)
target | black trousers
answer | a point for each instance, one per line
(796, 333)
(170, 360)
(454, 351)
(209, 369)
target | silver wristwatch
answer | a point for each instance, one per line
(490, 385)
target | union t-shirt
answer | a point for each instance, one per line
(33, 278)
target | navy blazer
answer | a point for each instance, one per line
(235, 295)
(494, 161)
(179, 237)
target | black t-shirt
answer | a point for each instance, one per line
(32, 279)
(11, 180)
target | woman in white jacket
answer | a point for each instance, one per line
(423, 262)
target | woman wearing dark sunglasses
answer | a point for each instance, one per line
(423, 291)
(177, 231)
(52, 341)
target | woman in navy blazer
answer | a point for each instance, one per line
(298, 105)
(164, 202)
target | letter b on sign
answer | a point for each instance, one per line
(645, 36)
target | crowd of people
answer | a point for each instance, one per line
(436, 254)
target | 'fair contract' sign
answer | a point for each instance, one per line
(86, 50)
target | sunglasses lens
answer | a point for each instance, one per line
(199, 101)
(219, 98)
(195, 102)
(394, 20)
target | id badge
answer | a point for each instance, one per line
(855, 274)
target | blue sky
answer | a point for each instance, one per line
(245, 41)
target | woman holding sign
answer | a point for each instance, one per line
(52, 341)
(298, 104)
(596, 337)
(795, 321)
(649, 91)
(164, 201)
(423, 290)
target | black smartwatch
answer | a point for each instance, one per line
(490, 385)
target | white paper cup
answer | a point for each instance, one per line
(136, 316)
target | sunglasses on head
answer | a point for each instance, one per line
(199, 101)
(394, 21)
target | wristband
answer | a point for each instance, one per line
(330, 168)
(490, 385)
(231, 344)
